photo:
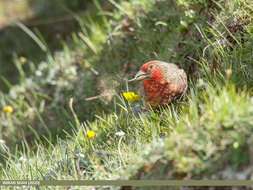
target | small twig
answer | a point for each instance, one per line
(94, 71)
(94, 97)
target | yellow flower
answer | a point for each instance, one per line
(90, 134)
(8, 109)
(131, 96)
(22, 60)
(236, 145)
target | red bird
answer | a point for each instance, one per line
(162, 83)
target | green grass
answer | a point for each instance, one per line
(206, 131)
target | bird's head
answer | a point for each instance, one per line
(149, 71)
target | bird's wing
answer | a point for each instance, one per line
(182, 76)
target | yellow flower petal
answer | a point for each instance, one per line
(22, 60)
(8, 109)
(90, 134)
(131, 96)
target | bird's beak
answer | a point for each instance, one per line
(140, 76)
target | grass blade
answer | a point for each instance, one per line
(32, 35)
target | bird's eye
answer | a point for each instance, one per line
(151, 66)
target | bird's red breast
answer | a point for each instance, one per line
(156, 93)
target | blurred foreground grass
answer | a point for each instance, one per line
(201, 136)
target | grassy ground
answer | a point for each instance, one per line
(201, 136)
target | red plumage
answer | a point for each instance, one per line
(162, 83)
